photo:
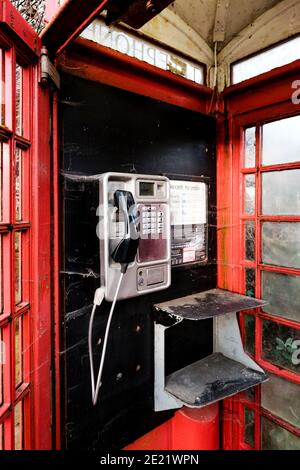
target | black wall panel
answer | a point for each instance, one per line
(106, 129)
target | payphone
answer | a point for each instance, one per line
(134, 231)
(135, 247)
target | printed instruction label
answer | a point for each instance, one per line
(188, 203)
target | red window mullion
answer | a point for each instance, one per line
(280, 422)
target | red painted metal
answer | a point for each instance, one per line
(71, 19)
(56, 262)
(21, 45)
(188, 430)
(158, 439)
(196, 429)
(12, 22)
(92, 61)
(51, 9)
(251, 103)
(41, 268)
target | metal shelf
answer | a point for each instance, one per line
(210, 380)
(209, 304)
(230, 370)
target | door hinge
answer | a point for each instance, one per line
(48, 70)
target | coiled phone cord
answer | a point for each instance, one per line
(98, 299)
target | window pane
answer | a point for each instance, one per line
(250, 147)
(277, 56)
(250, 282)
(281, 345)
(250, 334)
(19, 99)
(281, 398)
(281, 244)
(281, 193)
(249, 430)
(281, 141)
(18, 352)
(250, 194)
(274, 437)
(18, 429)
(18, 268)
(282, 292)
(250, 240)
(18, 183)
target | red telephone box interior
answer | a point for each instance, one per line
(203, 95)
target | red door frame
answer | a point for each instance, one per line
(20, 42)
(264, 98)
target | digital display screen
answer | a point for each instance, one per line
(146, 189)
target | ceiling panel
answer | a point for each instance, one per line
(200, 15)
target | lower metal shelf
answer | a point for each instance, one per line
(210, 380)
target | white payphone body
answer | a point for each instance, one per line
(148, 213)
(135, 246)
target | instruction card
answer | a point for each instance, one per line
(189, 222)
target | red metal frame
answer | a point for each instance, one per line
(76, 15)
(56, 270)
(251, 103)
(92, 61)
(20, 44)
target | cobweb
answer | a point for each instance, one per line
(33, 11)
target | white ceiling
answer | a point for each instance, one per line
(200, 15)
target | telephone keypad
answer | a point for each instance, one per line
(152, 221)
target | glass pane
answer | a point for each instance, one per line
(281, 345)
(18, 429)
(250, 147)
(250, 334)
(282, 292)
(250, 241)
(277, 56)
(274, 437)
(18, 268)
(250, 194)
(249, 430)
(281, 193)
(19, 99)
(18, 352)
(282, 399)
(250, 282)
(281, 244)
(281, 141)
(18, 183)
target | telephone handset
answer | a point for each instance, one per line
(139, 261)
(126, 251)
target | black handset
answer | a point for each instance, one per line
(126, 250)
